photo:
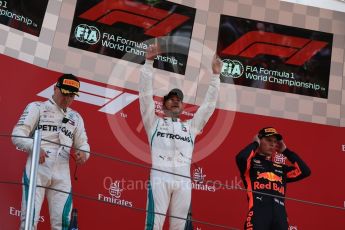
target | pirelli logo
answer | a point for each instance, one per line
(271, 130)
(156, 22)
(71, 83)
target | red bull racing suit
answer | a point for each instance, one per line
(260, 174)
(172, 144)
(64, 127)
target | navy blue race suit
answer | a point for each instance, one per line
(260, 174)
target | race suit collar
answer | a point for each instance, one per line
(173, 119)
(51, 100)
(263, 157)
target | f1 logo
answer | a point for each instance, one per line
(111, 101)
(156, 22)
(297, 50)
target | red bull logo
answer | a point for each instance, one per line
(270, 176)
(269, 186)
(249, 225)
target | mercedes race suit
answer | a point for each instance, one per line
(261, 175)
(58, 126)
(172, 142)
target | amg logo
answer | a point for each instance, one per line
(159, 22)
(295, 49)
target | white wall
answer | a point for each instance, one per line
(338, 5)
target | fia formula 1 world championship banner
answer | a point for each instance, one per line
(275, 57)
(23, 15)
(121, 29)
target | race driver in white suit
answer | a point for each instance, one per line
(62, 125)
(172, 142)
